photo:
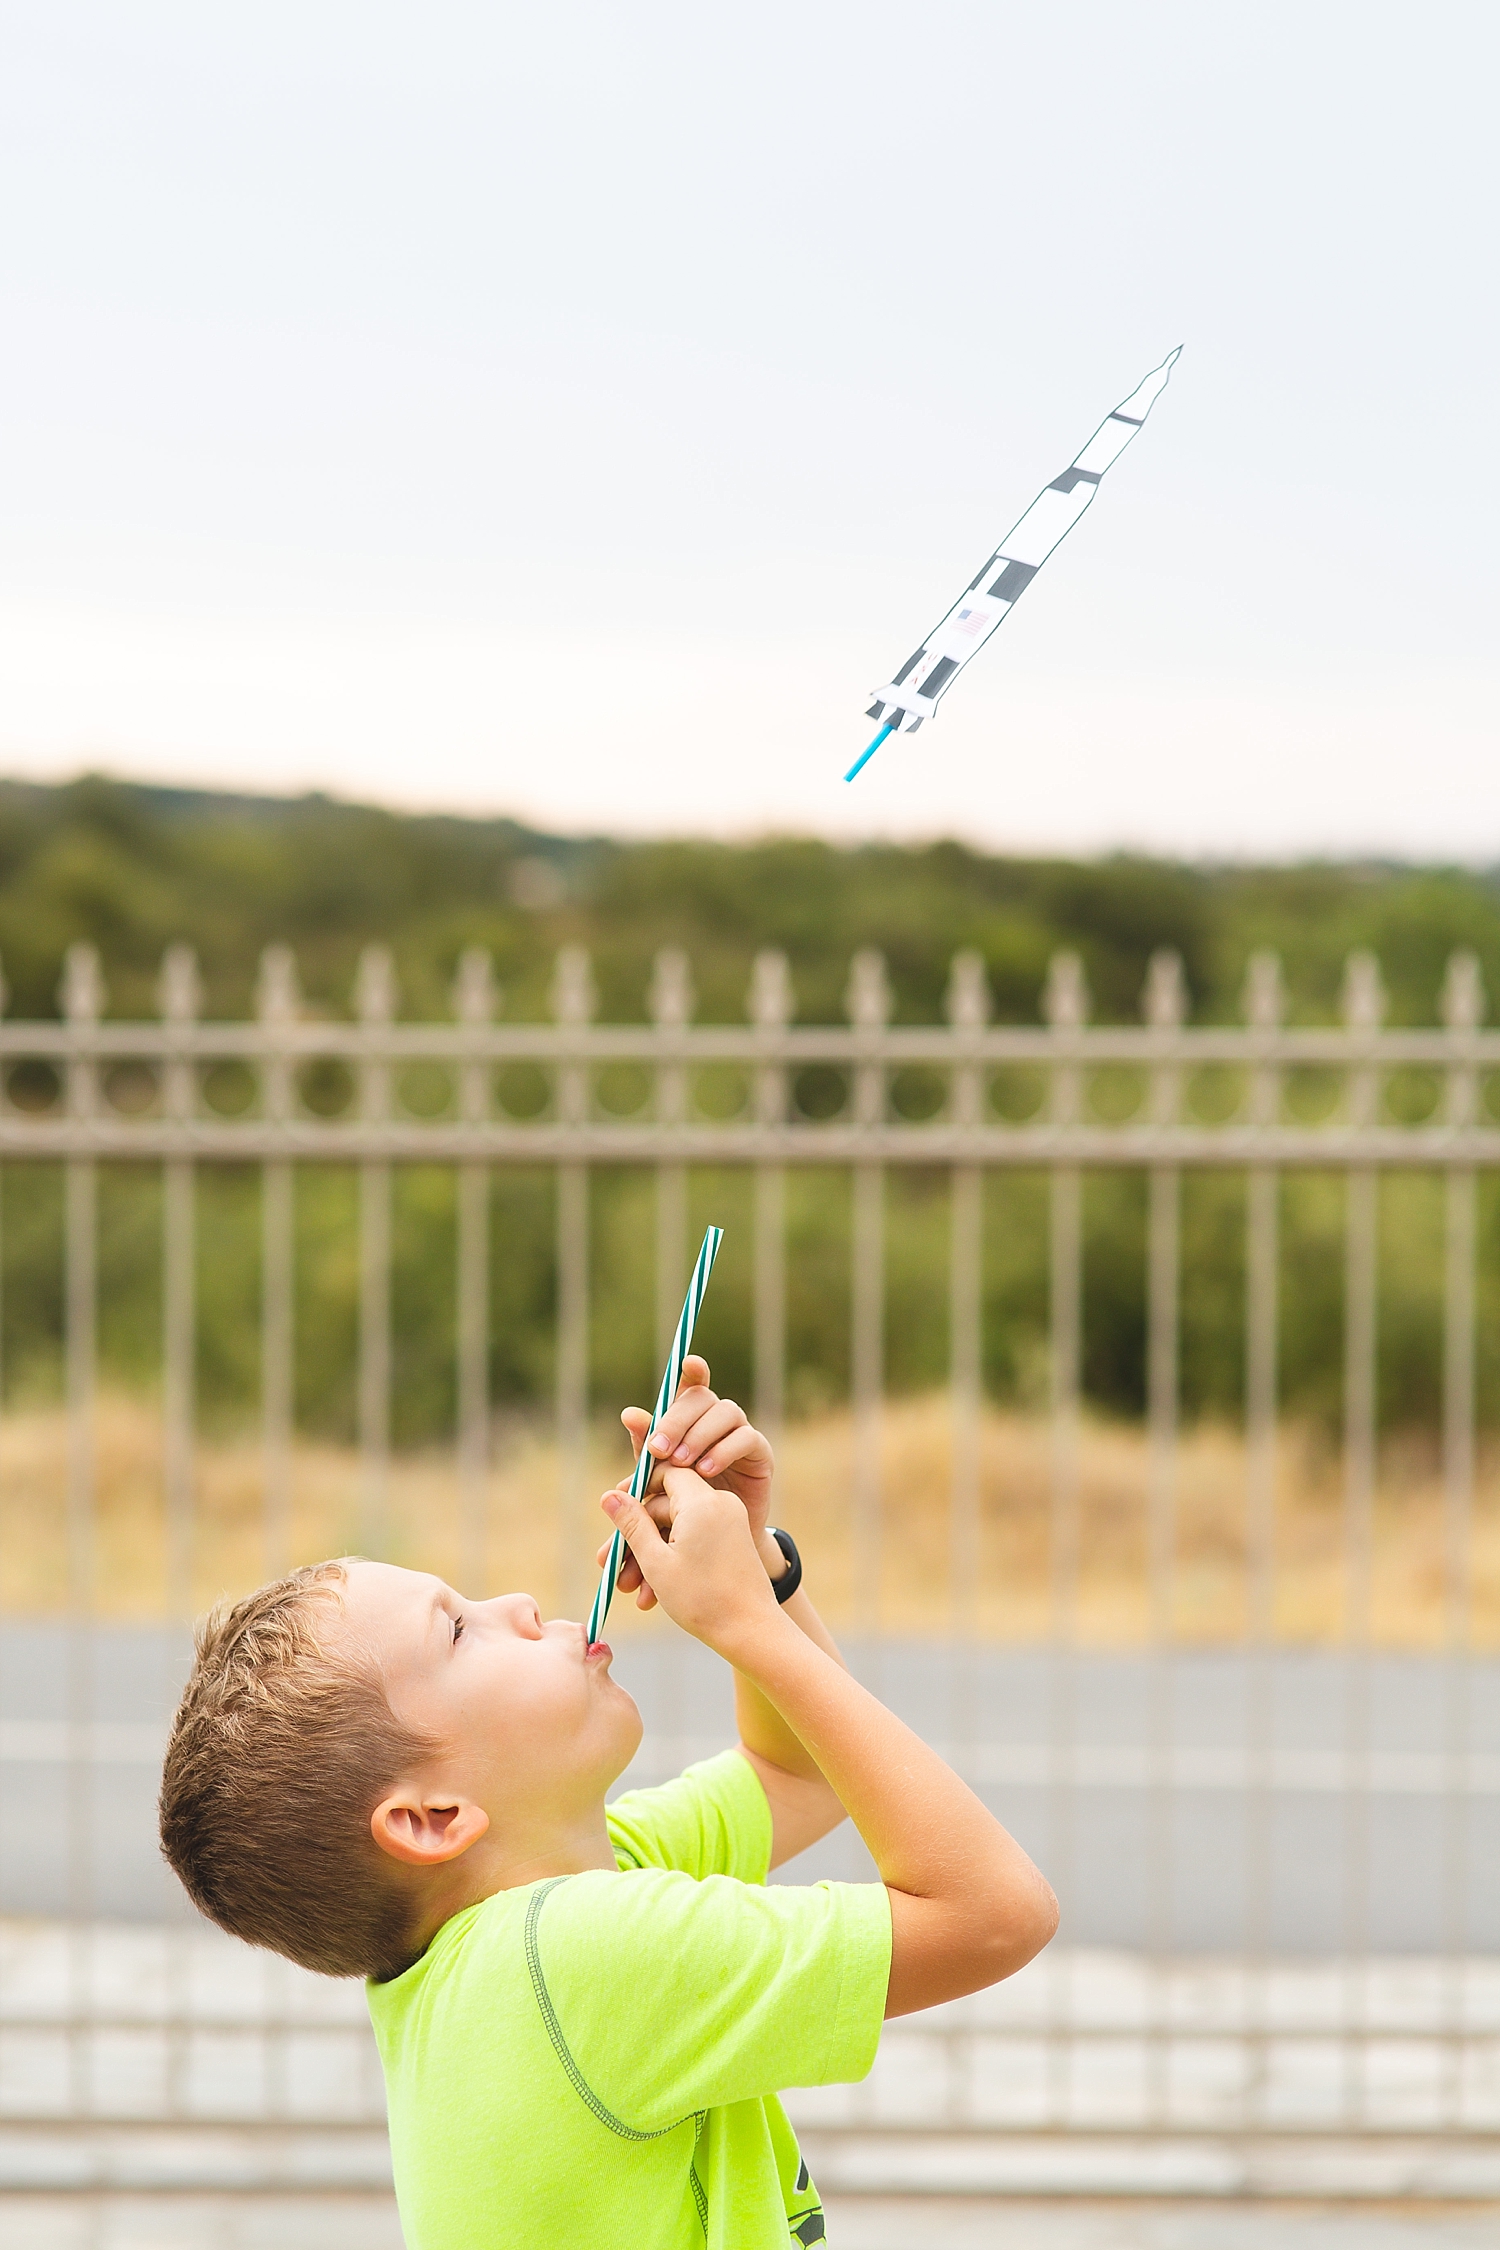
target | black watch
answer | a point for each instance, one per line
(791, 1578)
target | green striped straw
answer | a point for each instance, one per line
(682, 1344)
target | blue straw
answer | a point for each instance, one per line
(868, 754)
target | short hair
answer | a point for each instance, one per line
(280, 1751)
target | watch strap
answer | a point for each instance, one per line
(791, 1578)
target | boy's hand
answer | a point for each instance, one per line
(706, 1572)
(702, 1431)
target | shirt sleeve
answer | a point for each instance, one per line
(663, 1995)
(712, 1820)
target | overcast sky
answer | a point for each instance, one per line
(577, 411)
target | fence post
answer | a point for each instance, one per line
(868, 1003)
(771, 1010)
(671, 1010)
(968, 1011)
(1164, 1005)
(474, 1003)
(82, 1004)
(1363, 1007)
(573, 1003)
(179, 997)
(1066, 1004)
(277, 1002)
(375, 1004)
(1463, 1013)
(1264, 1004)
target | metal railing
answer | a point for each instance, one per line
(1248, 2026)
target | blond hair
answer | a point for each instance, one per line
(281, 1748)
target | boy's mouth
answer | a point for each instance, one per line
(598, 1650)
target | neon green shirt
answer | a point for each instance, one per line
(594, 2060)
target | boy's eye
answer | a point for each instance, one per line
(458, 1630)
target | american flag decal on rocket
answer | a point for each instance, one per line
(925, 678)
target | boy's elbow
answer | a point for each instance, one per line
(942, 1949)
(1045, 1917)
(1021, 1926)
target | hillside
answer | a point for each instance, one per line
(133, 868)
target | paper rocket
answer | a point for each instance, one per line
(925, 678)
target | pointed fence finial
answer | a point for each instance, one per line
(574, 998)
(772, 1002)
(475, 997)
(375, 985)
(179, 988)
(968, 999)
(1364, 994)
(1164, 998)
(672, 994)
(1065, 1000)
(1264, 1000)
(278, 994)
(82, 989)
(1463, 992)
(867, 997)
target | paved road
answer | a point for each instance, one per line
(1162, 1799)
(358, 2222)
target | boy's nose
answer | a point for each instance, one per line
(519, 1611)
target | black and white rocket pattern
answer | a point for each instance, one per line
(925, 678)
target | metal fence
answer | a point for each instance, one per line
(1246, 1772)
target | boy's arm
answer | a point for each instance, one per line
(803, 1805)
(967, 1905)
(700, 1430)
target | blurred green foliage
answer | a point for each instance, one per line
(134, 869)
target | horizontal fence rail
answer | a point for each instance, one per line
(1226, 1830)
(82, 1118)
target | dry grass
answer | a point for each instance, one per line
(1015, 1598)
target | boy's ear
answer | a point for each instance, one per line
(426, 1832)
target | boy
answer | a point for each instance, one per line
(586, 2014)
